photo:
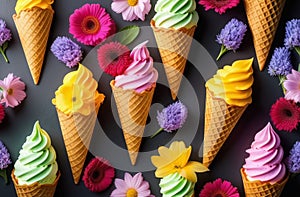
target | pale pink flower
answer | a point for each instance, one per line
(12, 90)
(292, 86)
(131, 9)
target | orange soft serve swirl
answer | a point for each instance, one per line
(233, 83)
(28, 4)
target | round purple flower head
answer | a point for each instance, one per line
(67, 51)
(4, 160)
(231, 36)
(292, 34)
(172, 117)
(5, 36)
(293, 161)
(280, 64)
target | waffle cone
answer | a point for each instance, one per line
(263, 18)
(33, 27)
(35, 189)
(77, 131)
(263, 189)
(133, 109)
(220, 119)
(174, 46)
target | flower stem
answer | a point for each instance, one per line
(3, 174)
(297, 50)
(222, 51)
(3, 54)
(157, 132)
(281, 80)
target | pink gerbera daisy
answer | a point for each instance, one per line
(285, 114)
(114, 58)
(2, 113)
(219, 188)
(98, 175)
(134, 186)
(13, 90)
(220, 6)
(91, 24)
(131, 9)
(292, 86)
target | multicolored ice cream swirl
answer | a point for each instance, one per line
(265, 157)
(28, 4)
(37, 159)
(233, 83)
(140, 75)
(175, 14)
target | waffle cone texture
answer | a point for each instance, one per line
(220, 119)
(133, 109)
(77, 131)
(263, 18)
(262, 189)
(174, 46)
(33, 27)
(35, 189)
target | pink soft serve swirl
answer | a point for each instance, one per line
(141, 74)
(265, 157)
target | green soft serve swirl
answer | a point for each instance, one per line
(37, 159)
(176, 14)
(174, 185)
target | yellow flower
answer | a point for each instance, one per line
(175, 159)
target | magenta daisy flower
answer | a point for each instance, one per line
(132, 186)
(2, 113)
(292, 86)
(114, 58)
(285, 114)
(131, 9)
(12, 90)
(98, 175)
(220, 6)
(91, 24)
(219, 188)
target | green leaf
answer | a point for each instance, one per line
(127, 34)
(4, 46)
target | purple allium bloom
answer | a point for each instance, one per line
(231, 36)
(172, 117)
(66, 51)
(293, 161)
(5, 34)
(280, 64)
(4, 157)
(292, 86)
(292, 33)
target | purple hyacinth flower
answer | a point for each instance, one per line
(293, 160)
(292, 34)
(280, 64)
(172, 117)
(4, 160)
(231, 36)
(67, 51)
(5, 36)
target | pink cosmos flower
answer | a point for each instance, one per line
(91, 24)
(132, 186)
(292, 86)
(131, 9)
(13, 90)
(220, 6)
(219, 188)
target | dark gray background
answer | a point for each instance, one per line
(37, 106)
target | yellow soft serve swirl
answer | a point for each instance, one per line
(28, 4)
(233, 83)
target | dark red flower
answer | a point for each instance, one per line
(2, 113)
(114, 58)
(285, 114)
(98, 175)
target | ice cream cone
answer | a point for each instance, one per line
(263, 189)
(133, 109)
(77, 130)
(36, 189)
(220, 119)
(33, 27)
(174, 46)
(263, 18)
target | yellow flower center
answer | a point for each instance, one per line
(10, 91)
(132, 2)
(131, 192)
(90, 25)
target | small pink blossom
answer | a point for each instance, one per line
(292, 86)
(220, 6)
